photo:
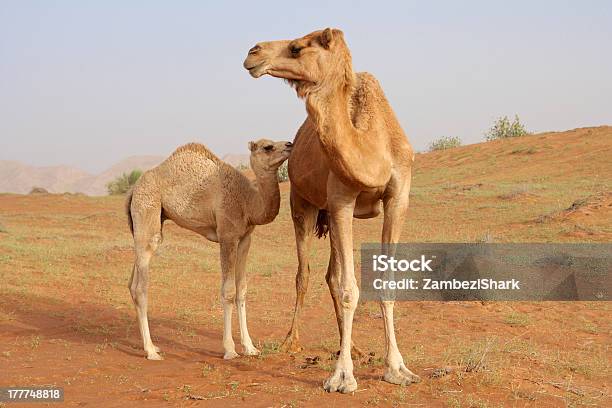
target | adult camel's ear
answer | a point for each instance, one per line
(327, 36)
(252, 146)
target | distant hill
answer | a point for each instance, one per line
(16, 177)
(20, 178)
(96, 185)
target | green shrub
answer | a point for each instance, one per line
(123, 183)
(503, 128)
(445, 142)
(242, 167)
(283, 172)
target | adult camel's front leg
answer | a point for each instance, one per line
(304, 217)
(333, 283)
(395, 207)
(341, 203)
(228, 294)
(241, 290)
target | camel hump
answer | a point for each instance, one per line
(366, 76)
(368, 81)
(199, 149)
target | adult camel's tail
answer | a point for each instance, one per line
(322, 225)
(128, 209)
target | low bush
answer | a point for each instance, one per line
(503, 128)
(445, 142)
(123, 183)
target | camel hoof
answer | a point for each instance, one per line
(291, 345)
(251, 351)
(230, 355)
(157, 349)
(341, 381)
(154, 356)
(401, 376)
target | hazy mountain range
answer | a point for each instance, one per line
(16, 177)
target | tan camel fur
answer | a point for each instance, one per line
(349, 156)
(201, 193)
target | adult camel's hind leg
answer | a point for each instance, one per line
(333, 283)
(241, 290)
(147, 238)
(304, 217)
(395, 207)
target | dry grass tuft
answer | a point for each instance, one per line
(520, 191)
(516, 319)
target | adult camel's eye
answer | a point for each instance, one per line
(295, 51)
(268, 148)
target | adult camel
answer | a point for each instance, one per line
(349, 155)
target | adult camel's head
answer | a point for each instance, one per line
(316, 61)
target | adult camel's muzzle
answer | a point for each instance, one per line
(255, 63)
(261, 57)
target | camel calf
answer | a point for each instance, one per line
(198, 191)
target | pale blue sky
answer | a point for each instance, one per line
(89, 83)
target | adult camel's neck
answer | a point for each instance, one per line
(356, 157)
(265, 202)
